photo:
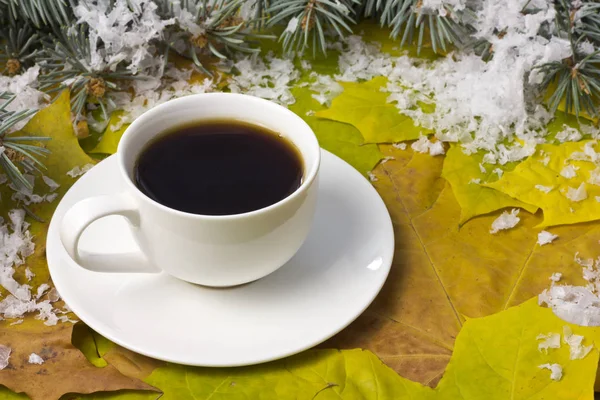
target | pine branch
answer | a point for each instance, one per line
(308, 22)
(18, 151)
(577, 78)
(208, 27)
(67, 63)
(40, 13)
(410, 21)
(21, 44)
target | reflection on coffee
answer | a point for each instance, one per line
(219, 167)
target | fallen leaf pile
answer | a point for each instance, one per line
(64, 368)
(455, 319)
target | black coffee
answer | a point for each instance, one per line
(219, 168)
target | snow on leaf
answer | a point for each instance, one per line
(443, 270)
(475, 200)
(35, 359)
(341, 139)
(571, 194)
(575, 342)
(4, 356)
(548, 341)
(545, 237)
(506, 220)
(497, 357)
(365, 106)
(555, 371)
(18, 280)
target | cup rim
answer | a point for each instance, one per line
(312, 170)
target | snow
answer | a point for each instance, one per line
(4, 356)
(548, 341)
(555, 371)
(24, 88)
(545, 189)
(438, 6)
(147, 98)
(122, 34)
(51, 184)
(555, 277)
(576, 349)
(372, 177)
(270, 79)
(545, 237)
(326, 87)
(292, 25)
(577, 304)
(594, 178)
(16, 244)
(569, 172)
(401, 146)
(424, 145)
(568, 134)
(586, 47)
(480, 104)
(577, 194)
(475, 181)
(35, 359)
(26, 196)
(507, 220)
(28, 274)
(78, 171)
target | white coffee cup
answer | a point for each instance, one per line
(209, 250)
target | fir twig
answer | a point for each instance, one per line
(21, 44)
(208, 27)
(67, 63)
(40, 13)
(577, 78)
(409, 21)
(308, 22)
(15, 150)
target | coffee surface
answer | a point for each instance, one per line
(219, 168)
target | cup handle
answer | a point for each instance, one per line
(82, 214)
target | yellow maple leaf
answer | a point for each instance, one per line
(465, 175)
(564, 175)
(365, 106)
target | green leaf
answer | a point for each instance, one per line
(83, 339)
(315, 374)
(341, 139)
(365, 106)
(110, 139)
(558, 209)
(460, 169)
(497, 358)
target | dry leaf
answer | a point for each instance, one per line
(442, 273)
(65, 369)
(365, 106)
(495, 358)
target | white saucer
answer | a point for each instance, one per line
(332, 279)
